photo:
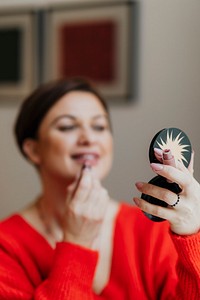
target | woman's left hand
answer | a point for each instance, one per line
(184, 218)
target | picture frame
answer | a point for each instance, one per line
(17, 54)
(95, 42)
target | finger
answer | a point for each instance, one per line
(158, 154)
(71, 188)
(157, 192)
(95, 197)
(102, 201)
(191, 164)
(173, 174)
(79, 177)
(83, 185)
(155, 210)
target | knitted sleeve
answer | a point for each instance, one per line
(70, 277)
(188, 266)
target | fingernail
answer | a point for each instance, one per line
(158, 151)
(136, 201)
(156, 167)
(139, 185)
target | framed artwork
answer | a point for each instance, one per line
(16, 54)
(93, 41)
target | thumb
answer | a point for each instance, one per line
(191, 164)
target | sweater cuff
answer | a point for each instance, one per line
(188, 249)
(74, 263)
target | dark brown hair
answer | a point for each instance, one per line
(35, 107)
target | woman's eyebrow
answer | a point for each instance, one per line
(104, 116)
(71, 117)
(74, 118)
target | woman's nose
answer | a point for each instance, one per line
(87, 136)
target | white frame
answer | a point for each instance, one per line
(120, 13)
(24, 22)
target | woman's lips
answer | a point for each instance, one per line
(87, 158)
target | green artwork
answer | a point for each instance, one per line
(10, 55)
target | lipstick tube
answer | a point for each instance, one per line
(168, 159)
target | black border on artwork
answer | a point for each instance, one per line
(27, 22)
(126, 87)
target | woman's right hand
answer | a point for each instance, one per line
(87, 202)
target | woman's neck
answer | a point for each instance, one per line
(54, 195)
(46, 213)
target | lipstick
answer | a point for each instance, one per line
(84, 167)
(168, 159)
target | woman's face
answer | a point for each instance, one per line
(75, 131)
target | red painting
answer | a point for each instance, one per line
(88, 49)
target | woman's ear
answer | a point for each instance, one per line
(30, 148)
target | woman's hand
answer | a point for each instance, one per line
(87, 202)
(184, 218)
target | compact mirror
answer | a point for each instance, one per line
(179, 144)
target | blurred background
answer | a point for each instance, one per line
(162, 89)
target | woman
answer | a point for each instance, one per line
(74, 242)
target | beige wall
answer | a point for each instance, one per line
(169, 95)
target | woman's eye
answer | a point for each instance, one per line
(99, 127)
(66, 127)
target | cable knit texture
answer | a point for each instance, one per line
(148, 263)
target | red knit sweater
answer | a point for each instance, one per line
(143, 263)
